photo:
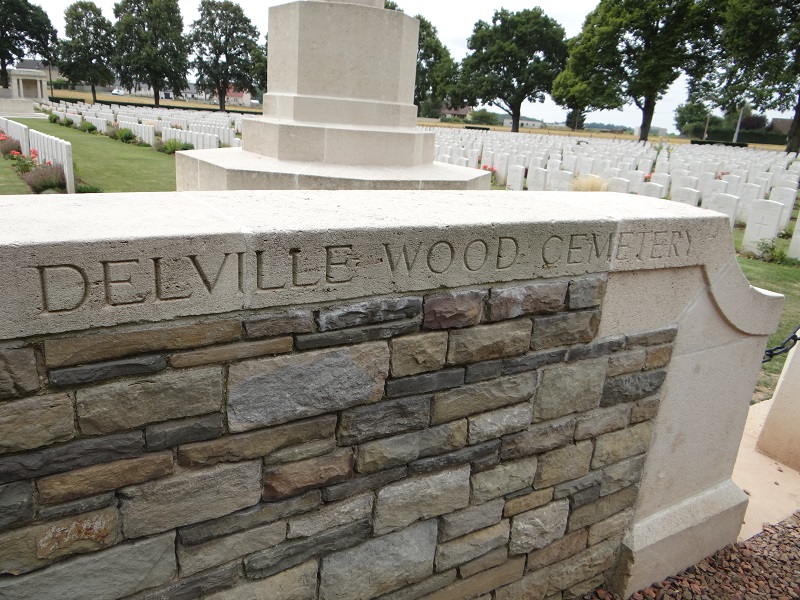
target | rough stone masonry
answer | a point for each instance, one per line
(436, 396)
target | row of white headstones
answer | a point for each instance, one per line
(756, 187)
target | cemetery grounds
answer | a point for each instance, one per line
(113, 166)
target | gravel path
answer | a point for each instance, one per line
(765, 566)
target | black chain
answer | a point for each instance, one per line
(787, 345)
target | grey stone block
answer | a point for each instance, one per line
(470, 454)
(533, 361)
(174, 433)
(356, 336)
(483, 371)
(290, 321)
(652, 338)
(571, 388)
(117, 572)
(293, 552)
(586, 292)
(78, 507)
(362, 484)
(18, 374)
(597, 349)
(471, 519)
(539, 438)
(384, 453)
(565, 330)
(632, 387)
(381, 419)
(73, 455)
(260, 514)
(195, 586)
(537, 528)
(533, 299)
(423, 384)
(380, 565)
(139, 365)
(16, 504)
(305, 385)
(369, 312)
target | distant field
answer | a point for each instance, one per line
(87, 97)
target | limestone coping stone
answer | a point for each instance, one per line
(109, 259)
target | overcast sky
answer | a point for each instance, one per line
(454, 21)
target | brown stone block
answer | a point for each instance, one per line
(457, 309)
(232, 352)
(569, 545)
(536, 298)
(18, 375)
(295, 478)
(564, 330)
(486, 342)
(104, 346)
(482, 583)
(255, 444)
(291, 321)
(422, 353)
(34, 422)
(103, 478)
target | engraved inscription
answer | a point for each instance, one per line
(647, 245)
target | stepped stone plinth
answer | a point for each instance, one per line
(339, 113)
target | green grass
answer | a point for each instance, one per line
(783, 279)
(111, 165)
(10, 183)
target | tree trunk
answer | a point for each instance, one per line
(647, 117)
(793, 143)
(221, 101)
(4, 74)
(156, 96)
(94, 95)
(516, 112)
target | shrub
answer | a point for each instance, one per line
(113, 132)
(53, 118)
(172, 146)
(24, 164)
(88, 127)
(68, 122)
(87, 189)
(160, 146)
(46, 177)
(126, 136)
(772, 254)
(9, 145)
(187, 146)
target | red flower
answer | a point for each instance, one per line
(15, 153)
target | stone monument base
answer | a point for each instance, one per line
(16, 106)
(237, 169)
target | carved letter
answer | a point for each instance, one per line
(552, 253)
(502, 257)
(331, 263)
(394, 262)
(483, 255)
(598, 251)
(68, 297)
(159, 279)
(209, 285)
(449, 260)
(260, 274)
(575, 249)
(296, 269)
(109, 282)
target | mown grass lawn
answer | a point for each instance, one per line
(10, 183)
(111, 165)
(783, 279)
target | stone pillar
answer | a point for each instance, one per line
(780, 437)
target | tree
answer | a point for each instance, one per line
(24, 29)
(482, 117)
(514, 58)
(760, 45)
(225, 44)
(576, 119)
(637, 49)
(436, 69)
(690, 113)
(86, 55)
(151, 47)
(260, 67)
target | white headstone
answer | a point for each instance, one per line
(748, 193)
(473, 159)
(686, 195)
(559, 181)
(487, 160)
(653, 190)
(723, 203)
(763, 224)
(684, 181)
(501, 164)
(516, 178)
(663, 179)
(787, 197)
(553, 165)
(619, 185)
(537, 179)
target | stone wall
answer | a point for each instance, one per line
(479, 439)
(373, 428)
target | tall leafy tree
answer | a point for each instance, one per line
(260, 67)
(150, 45)
(24, 29)
(514, 58)
(225, 43)
(637, 49)
(85, 56)
(436, 69)
(760, 48)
